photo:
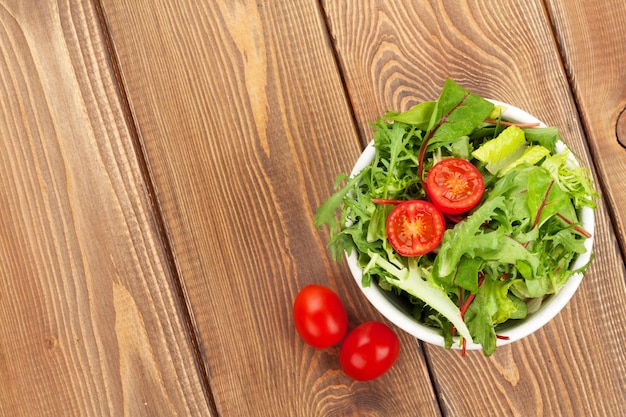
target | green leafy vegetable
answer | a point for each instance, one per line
(418, 282)
(532, 155)
(457, 113)
(502, 151)
(573, 179)
(418, 116)
(494, 264)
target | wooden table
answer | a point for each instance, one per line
(160, 163)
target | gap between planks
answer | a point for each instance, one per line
(364, 142)
(175, 281)
(330, 40)
(559, 45)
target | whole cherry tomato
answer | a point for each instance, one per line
(320, 316)
(368, 351)
(415, 227)
(454, 185)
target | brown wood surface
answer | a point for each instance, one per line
(160, 162)
(391, 64)
(592, 38)
(90, 323)
(253, 121)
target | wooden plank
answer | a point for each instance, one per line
(395, 54)
(245, 124)
(91, 324)
(592, 38)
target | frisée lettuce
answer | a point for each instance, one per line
(498, 261)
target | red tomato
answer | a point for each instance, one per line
(415, 227)
(369, 351)
(455, 185)
(320, 316)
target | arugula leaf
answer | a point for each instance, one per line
(327, 214)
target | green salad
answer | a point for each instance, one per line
(473, 219)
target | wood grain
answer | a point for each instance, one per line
(394, 55)
(91, 324)
(160, 163)
(245, 124)
(592, 38)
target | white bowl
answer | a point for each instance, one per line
(390, 307)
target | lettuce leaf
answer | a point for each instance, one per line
(532, 155)
(500, 152)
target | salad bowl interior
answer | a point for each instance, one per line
(397, 310)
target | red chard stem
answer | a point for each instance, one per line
(575, 227)
(543, 204)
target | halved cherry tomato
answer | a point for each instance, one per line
(415, 227)
(454, 185)
(368, 351)
(320, 316)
